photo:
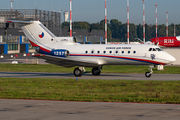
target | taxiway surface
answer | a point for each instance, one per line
(103, 76)
(61, 110)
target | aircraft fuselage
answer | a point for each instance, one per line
(166, 41)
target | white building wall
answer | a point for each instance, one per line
(66, 16)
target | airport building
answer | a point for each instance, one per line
(51, 19)
(13, 40)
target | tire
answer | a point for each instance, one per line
(77, 72)
(96, 71)
(148, 74)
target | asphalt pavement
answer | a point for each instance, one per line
(62, 110)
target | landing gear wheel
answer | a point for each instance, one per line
(96, 71)
(148, 74)
(78, 72)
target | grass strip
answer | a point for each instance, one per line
(91, 90)
(106, 69)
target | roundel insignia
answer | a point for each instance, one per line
(41, 34)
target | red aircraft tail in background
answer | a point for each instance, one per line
(167, 41)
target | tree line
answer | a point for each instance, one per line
(117, 31)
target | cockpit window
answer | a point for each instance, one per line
(155, 49)
(159, 49)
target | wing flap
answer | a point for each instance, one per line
(67, 62)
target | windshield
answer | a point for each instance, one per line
(158, 49)
(155, 49)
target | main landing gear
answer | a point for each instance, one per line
(96, 71)
(80, 70)
(148, 74)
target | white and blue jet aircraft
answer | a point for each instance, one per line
(63, 51)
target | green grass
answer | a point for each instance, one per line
(91, 90)
(106, 69)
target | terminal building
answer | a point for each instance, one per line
(13, 40)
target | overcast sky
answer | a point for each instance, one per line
(92, 11)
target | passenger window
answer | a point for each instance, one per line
(110, 52)
(134, 52)
(98, 52)
(128, 52)
(92, 51)
(86, 52)
(122, 52)
(116, 52)
(104, 52)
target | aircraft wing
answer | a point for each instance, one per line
(66, 62)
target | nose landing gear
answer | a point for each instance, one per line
(148, 74)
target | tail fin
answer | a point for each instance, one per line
(35, 31)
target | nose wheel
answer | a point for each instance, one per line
(148, 74)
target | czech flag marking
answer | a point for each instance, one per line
(41, 34)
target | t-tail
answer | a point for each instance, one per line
(39, 35)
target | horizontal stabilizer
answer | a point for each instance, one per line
(17, 21)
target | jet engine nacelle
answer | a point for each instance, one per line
(60, 52)
(54, 52)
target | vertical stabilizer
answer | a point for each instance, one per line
(38, 33)
(35, 31)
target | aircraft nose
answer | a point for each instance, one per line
(171, 58)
